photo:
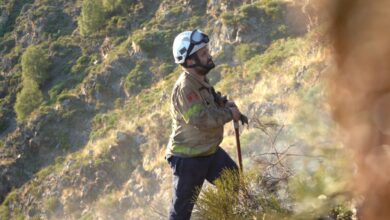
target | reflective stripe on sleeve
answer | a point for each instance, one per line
(191, 111)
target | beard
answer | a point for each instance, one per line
(205, 69)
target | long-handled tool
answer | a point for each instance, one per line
(237, 131)
(244, 120)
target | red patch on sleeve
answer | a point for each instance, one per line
(192, 96)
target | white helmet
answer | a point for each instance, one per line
(187, 43)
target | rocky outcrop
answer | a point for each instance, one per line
(256, 24)
(4, 16)
(35, 145)
(108, 85)
(71, 184)
(36, 28)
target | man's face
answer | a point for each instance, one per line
(206, 61)
(204, 56)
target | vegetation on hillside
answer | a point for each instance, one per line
(85, 110)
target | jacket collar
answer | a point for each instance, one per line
(205, 82)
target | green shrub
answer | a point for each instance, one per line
(81, 64)
(138, 79)
(176, 11)
(279, 32)
(116, 6)
(117, 26)
(155, 43)
(233, 198)
(27, 100)
(59, 160)
(111, 5)
(249, 10)
(61, 90)
(4, 212)
(219, 203)
(162, 69)
(269, 9)
(92, 17)
(102, 123)
(272, 7)
(276, 53)
(3, 114)
(11, 198)
(244, 52)
(192, 23)
(230, 19)
(35, 65)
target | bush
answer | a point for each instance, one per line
(155, 43)
(111, 5)
(234, 198)
(35, 65)
(117, 26)
(272, 7)
(57, 21)
(92, 17)
(275, 54)
(162, 70)
(244, 52)
(230, 19)
(249, 10)
(138, 79)
(27, 100)
(4, 212)
(3, 114)
(102, 123)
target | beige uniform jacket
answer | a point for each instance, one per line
(197, 121)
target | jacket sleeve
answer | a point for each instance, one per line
(195, 112)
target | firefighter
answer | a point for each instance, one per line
(198, 119)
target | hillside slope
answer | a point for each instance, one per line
(92, 147)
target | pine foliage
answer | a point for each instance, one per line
(28, 99)
(35, 65)
(92, 17)
(234, 197)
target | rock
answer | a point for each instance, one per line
(32, 211)
(90, 153)
(68, 164)
(122, 137)
(108, 83)
(101, 176)
(87, 172)
(90, 191)
(125, 202)
(3, 19)
(108, 188)
(8, 63)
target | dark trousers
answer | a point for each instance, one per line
(188, 177)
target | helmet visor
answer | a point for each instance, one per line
(198, 37)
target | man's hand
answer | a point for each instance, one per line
(236, 113)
